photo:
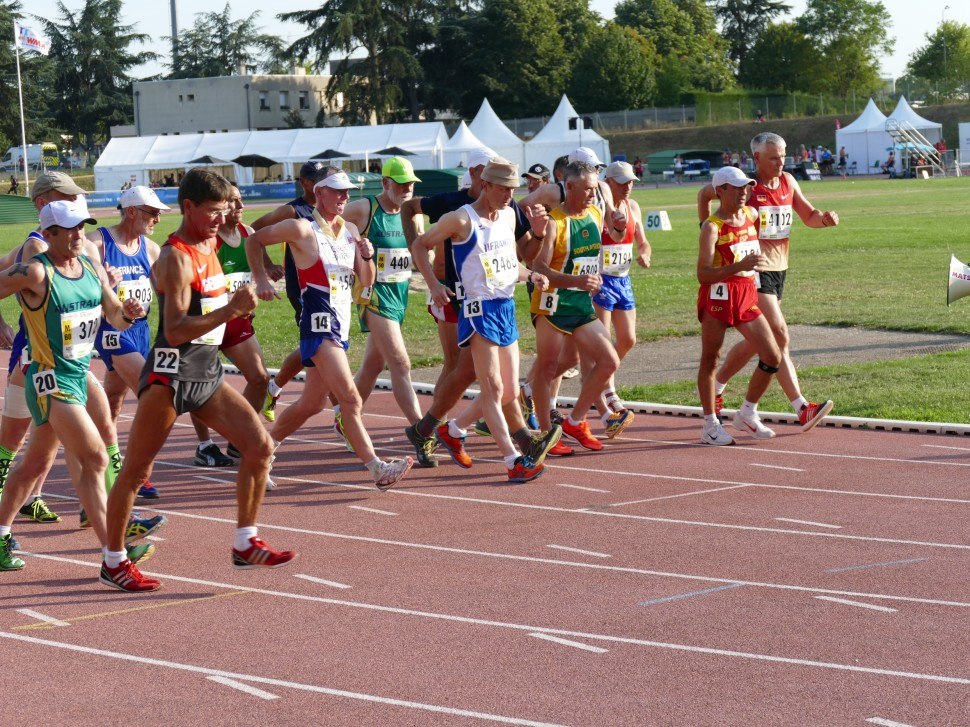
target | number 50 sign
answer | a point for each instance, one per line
(657, 221)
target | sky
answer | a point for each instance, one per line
(911, 20)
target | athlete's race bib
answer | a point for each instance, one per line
(320, 323)
(719, 291)
(364, 295)
(617, 259)
(213, 337)
(140, 290)
(24, 356)
(341, 285)
(548, 302)
(472, 307)
(775, 222)
(393, 264)
(165, 361)
(586, 266)
(459, 291)
(741, 250)
(501, 267)
(78, 332)
(111, 340)
(234, 281)
(45, 383)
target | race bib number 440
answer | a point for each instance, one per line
(393, 264)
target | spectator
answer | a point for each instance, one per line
(759, 117)
(14, 185)
(638, 167)
(890, 166)
(678, 169)
(843, 161)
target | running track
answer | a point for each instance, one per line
(813, 579)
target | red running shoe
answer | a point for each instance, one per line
(260, 555)
(580, 432)
(524, 470)
(454, 445)
(718, 406)
(812, 413)
(126, 577)
(560, 449)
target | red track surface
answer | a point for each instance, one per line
(702, 602)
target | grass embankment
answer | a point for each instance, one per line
(883, 267)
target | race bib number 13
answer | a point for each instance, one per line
(472, 307)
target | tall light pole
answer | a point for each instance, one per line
(946, 72)
(175, 39)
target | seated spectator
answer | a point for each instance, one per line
(890, 166)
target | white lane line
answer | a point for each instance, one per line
(671, 497)
(574, 644)
(592, 553)
(451, 711)
(371, 509)
(808, 522)
(155, 538)
(543, 561)
(887, 722)
(847, 602)
(920, 498)
(453, 618)
(580, 487)
(943, 446)
(667, 599)
(775, 467)
(211, 479)
(248, 688)
(875, 565)
(42, 617)
(313, 579)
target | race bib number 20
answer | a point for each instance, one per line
(45, 383)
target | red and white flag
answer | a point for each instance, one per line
(30, 39)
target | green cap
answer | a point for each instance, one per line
(400, 170)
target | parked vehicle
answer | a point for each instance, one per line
(39, 156)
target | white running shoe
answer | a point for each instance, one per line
(270, 485)
(392, 471)
(752, 425)
(715, 435)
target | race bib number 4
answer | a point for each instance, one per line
(213, 337)
(166, 361)
(617, 259)
(548, 302)
(45, 383)
(719, 291)
(78, 332)
(393, 264)
(775, 222)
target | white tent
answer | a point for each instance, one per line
(494, 134)
(556, 138)
(457, 148)
(865, 139)
(904, 114)
(132, 158)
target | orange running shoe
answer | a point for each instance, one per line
(812, 413)
(454, 445)
(580, 432)
(524, 470)
(560, 449)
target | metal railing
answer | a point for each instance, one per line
(915, 144)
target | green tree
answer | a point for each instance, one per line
(783, 59)
(852, 35)
(743, 22)
(615, 71)
(91, 60)
(216, 45)
(946, 71)
(685, 32)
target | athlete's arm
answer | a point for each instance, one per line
(297, 233)
(119, 315)
(548, 195)
(153, 250)
(811, 216)
(173, 274)
(528, 245)
(707, 273)
(412, 219)
(283, 212)
(357, 212)
(365, 268)
(705, 197)
(452, 225)
(96, 242)
(644, 252)
(27, 278)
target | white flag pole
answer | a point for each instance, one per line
(20, 95)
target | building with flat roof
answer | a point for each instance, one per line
(243, 102)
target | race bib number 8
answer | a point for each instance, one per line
(320, 323)
(548, 302)
(111, 340)
(472, 308)
(45, 383)
(166, 361)
(78, 332)
(719, 291)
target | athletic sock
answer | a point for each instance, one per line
(510, 460)
(4, 530)
(523, 438)
(747, 408)
(114, 466)
(710, 420)
(527, 389)
(719, 388)
(798, 403)
(114, 558)
(456, 431)
(336, 410)
(374, 467)
(426, 425)
(572, 422)
(241, 541)
(273, 389)
(206, 443)
(6, 456)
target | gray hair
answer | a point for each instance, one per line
(760, 141)
(575, 170)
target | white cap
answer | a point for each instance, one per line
(621, 172)
(142, 196)
(585, 154)
(466, 181)
(64, 213)
(731, 175)
(480, 157)
(337, 180)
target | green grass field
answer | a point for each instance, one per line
(885, 266)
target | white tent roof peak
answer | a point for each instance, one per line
(488, 127)
(904, 112)
(463, 140)
(870, 117)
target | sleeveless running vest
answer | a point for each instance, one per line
(735, 242)
(775, 217)
(135, 272)
(392, 260)
(616, 257)
(303, 211)
(576, 251)
(327, 284)
(486, 260)
(235, 265)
